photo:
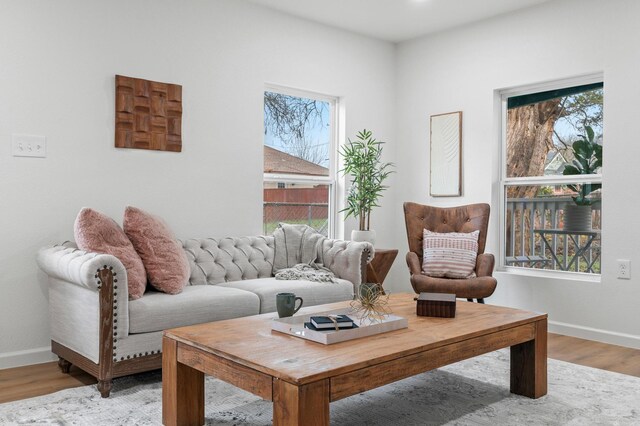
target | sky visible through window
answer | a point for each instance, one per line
(567, 128)
(298, 126)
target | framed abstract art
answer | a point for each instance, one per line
(446, 155)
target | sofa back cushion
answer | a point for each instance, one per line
(215, 261)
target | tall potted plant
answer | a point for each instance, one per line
(587, 160)
(363, 163)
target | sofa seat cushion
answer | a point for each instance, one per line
(196, 304)
(313, 293)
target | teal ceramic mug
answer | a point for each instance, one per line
(286, 304)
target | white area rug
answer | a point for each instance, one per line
(472, 392)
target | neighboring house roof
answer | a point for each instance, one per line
(555, 163)
(557, 159)
(280, 162)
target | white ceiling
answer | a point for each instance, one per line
(396, 20)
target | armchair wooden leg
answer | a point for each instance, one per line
(481, 301)
(64, 365)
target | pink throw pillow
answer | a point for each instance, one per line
(450, 255)
(163, 257)
(98, 233)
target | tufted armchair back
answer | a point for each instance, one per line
(215, 261)
(466, 219)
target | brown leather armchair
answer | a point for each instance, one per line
(455, 219)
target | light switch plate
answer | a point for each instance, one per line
(28, 145)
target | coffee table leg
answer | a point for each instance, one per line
(529, 364)
(305, 405)
(182, 389)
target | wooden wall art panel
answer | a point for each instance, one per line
(148, 114)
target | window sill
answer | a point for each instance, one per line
(556, 275)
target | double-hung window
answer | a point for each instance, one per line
(299, 159)
(552, 176)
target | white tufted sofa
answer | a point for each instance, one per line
(95, 326)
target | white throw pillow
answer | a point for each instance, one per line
(449, 255)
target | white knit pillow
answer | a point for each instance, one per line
(450, 255)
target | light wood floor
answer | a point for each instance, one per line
(41, 379)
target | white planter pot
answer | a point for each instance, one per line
(577, 218)
(369, 236)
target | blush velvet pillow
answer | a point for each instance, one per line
(98, 233)
(449, 255)
(163, 257)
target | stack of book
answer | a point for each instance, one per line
(330, 322)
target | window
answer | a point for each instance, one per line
(299, 159)
(552, 177)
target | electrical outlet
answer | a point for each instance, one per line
(28, 146)
(624, 269)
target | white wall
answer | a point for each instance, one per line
(461, 69)
(57, 66)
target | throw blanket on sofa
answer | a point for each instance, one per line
(303, 271)
(295, 244)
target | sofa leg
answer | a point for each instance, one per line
(469, 300)
(104, 386)
(480, 300)
(65, 366)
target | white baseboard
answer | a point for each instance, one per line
(28, 357)
(604, 336)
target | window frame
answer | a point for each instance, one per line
(331, 179)
(505, 181)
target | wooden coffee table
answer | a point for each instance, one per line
(302, 377)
